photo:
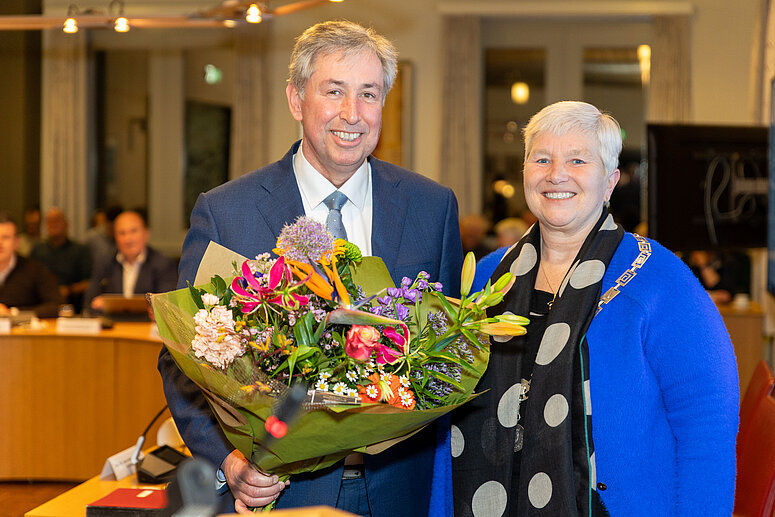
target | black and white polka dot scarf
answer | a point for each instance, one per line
(556, 475)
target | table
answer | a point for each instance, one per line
(73, 502)
(70, 401)
(745, 327)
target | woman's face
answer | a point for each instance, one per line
(566, 183)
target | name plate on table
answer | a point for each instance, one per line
(79, 325)
(5, 325)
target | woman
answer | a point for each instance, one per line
(620, 404)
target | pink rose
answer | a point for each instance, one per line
(361, 341)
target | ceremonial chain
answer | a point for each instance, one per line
(645, 252)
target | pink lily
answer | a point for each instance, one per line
(279, 288)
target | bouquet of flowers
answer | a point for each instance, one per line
(380, 361)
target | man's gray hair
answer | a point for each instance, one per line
(340, 36)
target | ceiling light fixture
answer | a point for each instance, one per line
(253, 14)
(520, 93)
(70, 26)
(121, 24)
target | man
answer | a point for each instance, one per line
(136, 268)
(25, 283)
(70, 261)
(31, 234)
(340, 74)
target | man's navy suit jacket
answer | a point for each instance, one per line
(414, 228)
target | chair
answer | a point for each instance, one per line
(761, 384)
(755, 484)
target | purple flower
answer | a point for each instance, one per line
(422, 284)
(422, 275)
(402, 312)
(406, 282)
(412, 295)
(394, 292)
(438, 286)
(306, 240)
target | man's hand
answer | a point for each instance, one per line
(250, 487)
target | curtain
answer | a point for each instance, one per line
(669, 98)
(249, 145)
(461, 131)
(64, 179)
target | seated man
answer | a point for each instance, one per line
(136, 268)
(25, 283)
(70, 261)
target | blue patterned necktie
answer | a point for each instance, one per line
(335, 202)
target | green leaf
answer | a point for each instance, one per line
(196, 296)
(451, 312)
(470, 336)
(219, 284)
(446, 378)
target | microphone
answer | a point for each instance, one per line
(286, 411)
(141, 438)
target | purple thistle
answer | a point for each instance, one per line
(306, 240)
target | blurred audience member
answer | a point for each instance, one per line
(473, 233)
(136, 268)
(25, 283)
(508, 231)
(70, 261)
(722, 274)
(99, 237)
(625, 199)
(31, 234)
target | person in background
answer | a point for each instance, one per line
(99, 238)
(723, 274)
(136, 268)
(508, 231)
(473, 234)
(340, 73)
(622, 398)
(31, 234)
(70, 261)
(25, 283)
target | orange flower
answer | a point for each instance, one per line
(383, 388)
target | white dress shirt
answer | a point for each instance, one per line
(131, 271)
(356, 212)
(7, 271)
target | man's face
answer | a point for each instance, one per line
(9, 241)
(56, 225)
(131, 235)
(341, 112)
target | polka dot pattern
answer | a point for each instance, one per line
(556, 410)
(457, 441)
(565, 280)
(559, 404)
(508, 407)
(587, 273)
(539, 490)
(489, 500)
(608, 224)
(526, 261)
(554, 341)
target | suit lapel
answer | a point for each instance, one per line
(278, 199)
(389, 212)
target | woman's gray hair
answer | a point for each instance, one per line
(565, 117)
(340, 36)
